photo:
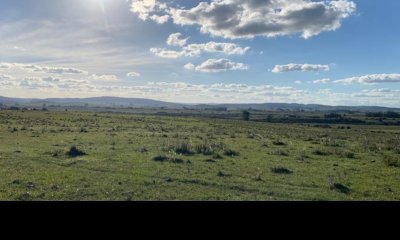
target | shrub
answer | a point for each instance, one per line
(182, 148)
(391, 161)
(231, 153)
(350, 155)
(278, 143)
(281, 170)
(223, 174)
(160, 158)
(320, 152)
(246, 115)
(281, 152)
(205, 148)
(75, 152)
(340, 188)
(57, 153)
(170, 157)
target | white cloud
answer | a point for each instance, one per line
(190, 66)
(323, 81)
(5, 65)
(196, 49)
(150, 9)
(372, 79)
(42, 69)
(176, 40)
(19, 48)
(292, 67)
(214, 47)
(165, 53)
(96, 77)
(217, 65)
(160, 19)
(60, 70)
(4, 77)
(133, 74)
(269, 18)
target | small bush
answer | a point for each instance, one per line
(205, 148)
(350, 155)
(281, 170)
(340, 188)
(231, 153)
(161, 158)
(391, 161)
(281, 152)
(182, 148)
(223, 174)
(278, 143)
(171, 157)
(320, 152)
(57, 153)
(75, 152)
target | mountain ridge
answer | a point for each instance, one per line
(108, 101)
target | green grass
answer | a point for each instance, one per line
(115, 156)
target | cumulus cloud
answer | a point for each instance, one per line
(372, 79)
(193, 50)
(104, 77)
(165, 53)
(217, 65)
(59, 70)
(176, 40)
(323, 81)
(42, 69)
(37, 83)
(150, 9)
(214, 47)
(196, 49)
(292, 67)
(133, 74)
(379, 93)
(190, 66)
(5, 65)
(5, 77)
(247, 19)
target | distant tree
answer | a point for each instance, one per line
(374, 114)
(246, 115)
(392, 115)
(333, 115)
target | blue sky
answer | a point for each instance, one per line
(337, 52)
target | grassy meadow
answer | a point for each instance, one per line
(116, 156)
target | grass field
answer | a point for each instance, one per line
(98, 156)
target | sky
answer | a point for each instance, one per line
(334, 52)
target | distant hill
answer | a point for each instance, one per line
(148, 103)
(94, 102)
(305, 107)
